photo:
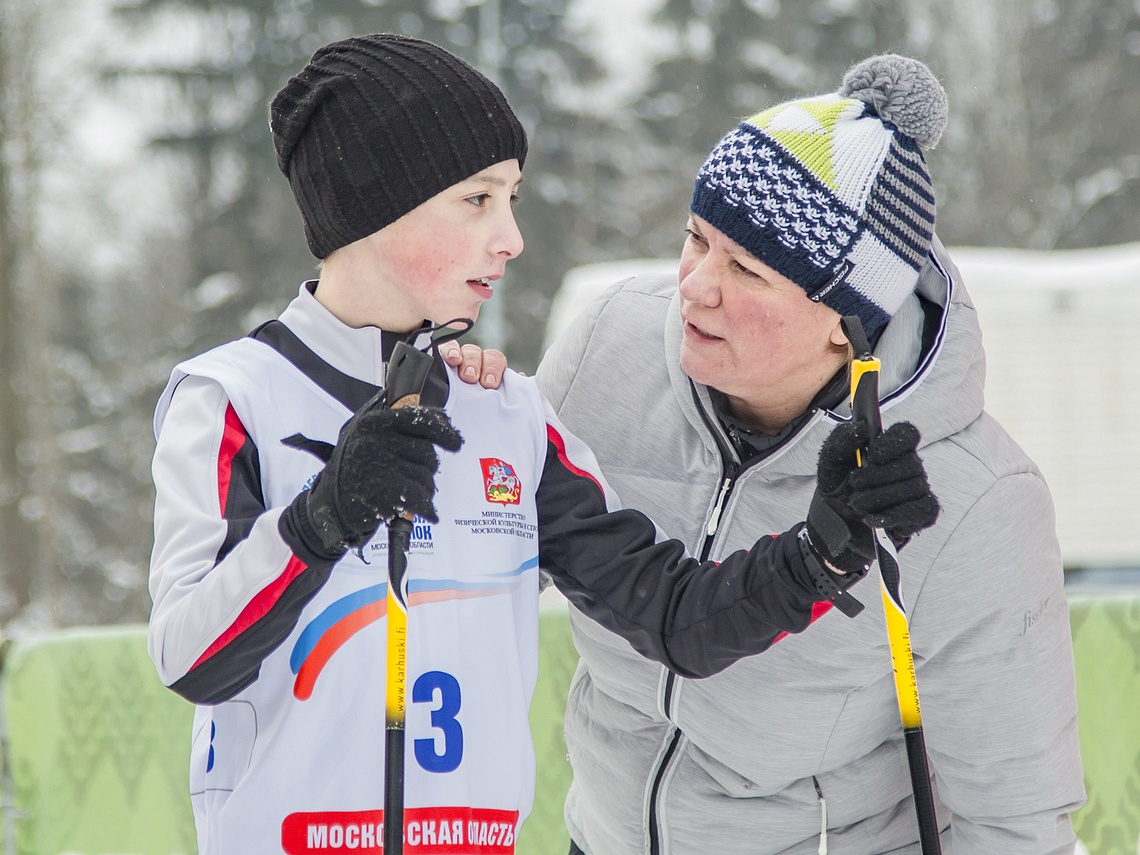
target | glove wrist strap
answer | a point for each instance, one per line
(825, 582)
(832, 532)
(320, 522)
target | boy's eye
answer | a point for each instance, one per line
(479, 200)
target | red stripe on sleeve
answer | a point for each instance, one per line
(560, 445)
(818, 610)
(257, 608)
(233, 438)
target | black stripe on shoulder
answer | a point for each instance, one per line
(245, 500)
(350, 391)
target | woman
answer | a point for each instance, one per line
(727, 388)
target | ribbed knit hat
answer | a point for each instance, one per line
(376, 125)
(833, 191)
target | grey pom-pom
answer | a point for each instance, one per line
(904, 92)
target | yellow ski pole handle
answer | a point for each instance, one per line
(865, 395)
(898, 637)
(397, 658)
(399, 530)
(397, 664)
(395, 697)
(865, 408)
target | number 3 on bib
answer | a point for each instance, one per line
(443, 718)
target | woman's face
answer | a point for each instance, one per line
(751, 332)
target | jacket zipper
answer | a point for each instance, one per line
(706, 549)
(822, 816)
(671, 678)
(655, 790)
(731, 471)
(714, 519)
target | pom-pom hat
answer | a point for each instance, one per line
(833, 191)
(376, 125)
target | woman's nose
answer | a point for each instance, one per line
(699, 281)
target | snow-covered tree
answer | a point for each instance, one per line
(118, 258)
(221, 63)
(19, 39)
(1040, 150)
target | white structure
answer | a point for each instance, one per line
(1063, 375)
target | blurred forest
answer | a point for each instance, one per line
(142, 217)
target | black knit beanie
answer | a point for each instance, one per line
(376, 125)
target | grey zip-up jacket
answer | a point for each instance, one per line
(800, 749)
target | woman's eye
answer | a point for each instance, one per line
(740, 268)
(480, 200)
(694, 237)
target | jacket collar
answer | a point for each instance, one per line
(359, 353)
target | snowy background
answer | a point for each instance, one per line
(142, 218)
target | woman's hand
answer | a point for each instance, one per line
(476, 365)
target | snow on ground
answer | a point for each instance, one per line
(1063, 375)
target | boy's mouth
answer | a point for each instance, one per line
(482, 285)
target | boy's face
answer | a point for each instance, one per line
(440, 260)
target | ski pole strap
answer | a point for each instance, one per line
(853, 329)
(408, 366)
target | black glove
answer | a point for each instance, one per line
(383, 465)
(890, 491)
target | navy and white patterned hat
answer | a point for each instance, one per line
(833, 191)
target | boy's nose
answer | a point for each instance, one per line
(509, 240)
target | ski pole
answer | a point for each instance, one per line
(404, 380)
(407, 370)
(865, 410)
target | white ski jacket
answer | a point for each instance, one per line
(804, 742)
(284, 652)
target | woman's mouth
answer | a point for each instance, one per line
(699, 334)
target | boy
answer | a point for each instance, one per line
(267, 573)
